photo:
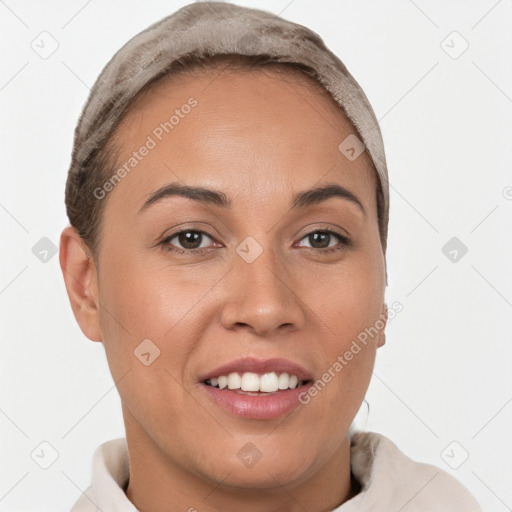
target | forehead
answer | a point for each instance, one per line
(248, 129)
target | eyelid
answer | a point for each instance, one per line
(315, 227)
(344, 240)
(166, 240)
(323, 226)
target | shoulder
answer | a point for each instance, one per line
(389, 476)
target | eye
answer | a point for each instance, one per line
(187, 240)
(192, 240)
(326, 240)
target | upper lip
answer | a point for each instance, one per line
(250, 364)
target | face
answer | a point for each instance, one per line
(259, 277)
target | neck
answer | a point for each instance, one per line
(159, 484)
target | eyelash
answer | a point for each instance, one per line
(345, 242)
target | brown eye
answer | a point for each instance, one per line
(187, 240)
(190, 239)
(319, 240)
(325, 240)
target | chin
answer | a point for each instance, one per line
(262, 476)
(252, 468)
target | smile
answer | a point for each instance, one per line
(259, 389)
(257, 383)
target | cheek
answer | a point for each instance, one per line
(347, 300)
(142, 300)
(151, 325)
(348, 310)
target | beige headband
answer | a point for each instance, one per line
(209, 28)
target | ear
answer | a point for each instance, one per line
(382, 334)
(80, 278)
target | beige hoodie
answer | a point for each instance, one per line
(390, 481)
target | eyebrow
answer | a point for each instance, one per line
(217, 198)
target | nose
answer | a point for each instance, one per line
(261, 297)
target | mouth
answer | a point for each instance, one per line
(257, 384)
(257, 389)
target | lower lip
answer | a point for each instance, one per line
(260, 407)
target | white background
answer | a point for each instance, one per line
(444, 374)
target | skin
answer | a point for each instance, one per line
(259, 137)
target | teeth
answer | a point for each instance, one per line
(284, 378)
(234, 381)
(249, 381)
(269, 382)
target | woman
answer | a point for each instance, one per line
(228, 202)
